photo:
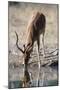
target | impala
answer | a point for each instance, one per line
(35, 28)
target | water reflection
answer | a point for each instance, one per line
(48, 77)
(27, 79)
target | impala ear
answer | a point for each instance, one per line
(29, 48)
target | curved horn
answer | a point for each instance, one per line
(17, 43)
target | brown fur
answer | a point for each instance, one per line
(35, 28)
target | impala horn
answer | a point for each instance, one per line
(17, 43)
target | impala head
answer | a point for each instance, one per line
(26, 51)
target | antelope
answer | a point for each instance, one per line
(35, 28)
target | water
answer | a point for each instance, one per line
(18, 84)
(48, 77)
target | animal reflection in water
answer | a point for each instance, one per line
(35, 28)
(27, 79)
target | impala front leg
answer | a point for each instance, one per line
(38, 46)
(43, 45)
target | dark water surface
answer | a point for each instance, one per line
(18, 84)
(48, 77)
